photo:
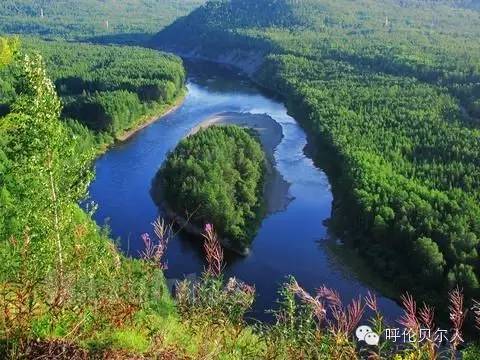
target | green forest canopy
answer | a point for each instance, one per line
(392, 88)
(217, 176)
(106, 88)
(86, 18)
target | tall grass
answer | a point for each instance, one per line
(120, 308)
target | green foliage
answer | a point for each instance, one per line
(107, 111)
(472, 352)
(395, 103)
(125, 339)
(65, 288)
(60, 276)
(215, 310)
(8, 47)
(391, 90)
(250, 13)
(40, 163)
(217, 176)
(214, 299)
(294, 331)
(429, 259)
(463, 275)
(82, 18)
(109, 89)
(42, 177)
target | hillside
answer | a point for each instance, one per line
(105, 89)
(389, 94)
(391, 91)
(88, 18)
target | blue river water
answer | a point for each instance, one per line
(291, 242)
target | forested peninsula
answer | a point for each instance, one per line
(106, 91)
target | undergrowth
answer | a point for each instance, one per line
(121, 308)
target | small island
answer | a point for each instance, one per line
(217, 176)
(223, 173)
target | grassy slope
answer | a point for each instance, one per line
(117, 317)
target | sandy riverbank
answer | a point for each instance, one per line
(270, 134)
(150, 120)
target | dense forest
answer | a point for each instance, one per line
(389, 94)
(217, 176)
(90, 18)
(391, 91)
(108, 89)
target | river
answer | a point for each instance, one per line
(290, 242)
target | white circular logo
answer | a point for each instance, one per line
(362, 331)
(372, 339)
